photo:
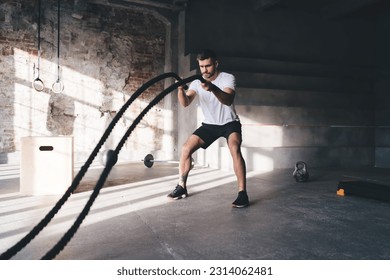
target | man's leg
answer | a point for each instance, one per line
(234, 144)
(192, 144)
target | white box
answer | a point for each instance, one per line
(46, 166)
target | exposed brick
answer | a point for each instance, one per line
(104, 55)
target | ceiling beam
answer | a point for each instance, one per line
(261, 5)
(147, 3)
(177, 5)
(345, 7)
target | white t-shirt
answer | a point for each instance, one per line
(213, 110)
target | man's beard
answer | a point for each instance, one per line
(208, 75)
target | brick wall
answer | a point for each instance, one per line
(105, 55)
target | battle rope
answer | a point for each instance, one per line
(76, 181)
(110, 163)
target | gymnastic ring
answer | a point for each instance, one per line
(57, 87)
(38, 85)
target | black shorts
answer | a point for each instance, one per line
(211, 132)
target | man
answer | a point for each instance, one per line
(216, 98)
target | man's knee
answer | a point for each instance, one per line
(191, 145)
(234, 143)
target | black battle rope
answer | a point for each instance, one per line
(110, 163)
(83, 170)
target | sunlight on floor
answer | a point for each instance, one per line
(19, 214)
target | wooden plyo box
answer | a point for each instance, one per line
(46, 166)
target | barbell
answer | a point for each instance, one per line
(149, 161)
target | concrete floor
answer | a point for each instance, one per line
(132, 218)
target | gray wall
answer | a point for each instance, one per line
(305, 82)
(382, 92)
(311, 86)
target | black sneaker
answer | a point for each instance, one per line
(241, 200)
(178, 192)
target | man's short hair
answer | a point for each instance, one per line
(206, 54)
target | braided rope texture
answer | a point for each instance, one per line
(76, 181)
(106, 171)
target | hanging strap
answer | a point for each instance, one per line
(38, 84)
(58, 43)
(58, 86)
(39, 35)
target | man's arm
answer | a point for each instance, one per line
(225, 96)
(185, 98)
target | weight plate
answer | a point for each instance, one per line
(148, 160)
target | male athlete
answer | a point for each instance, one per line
(216, 97)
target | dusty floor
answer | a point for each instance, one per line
(132, 218)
